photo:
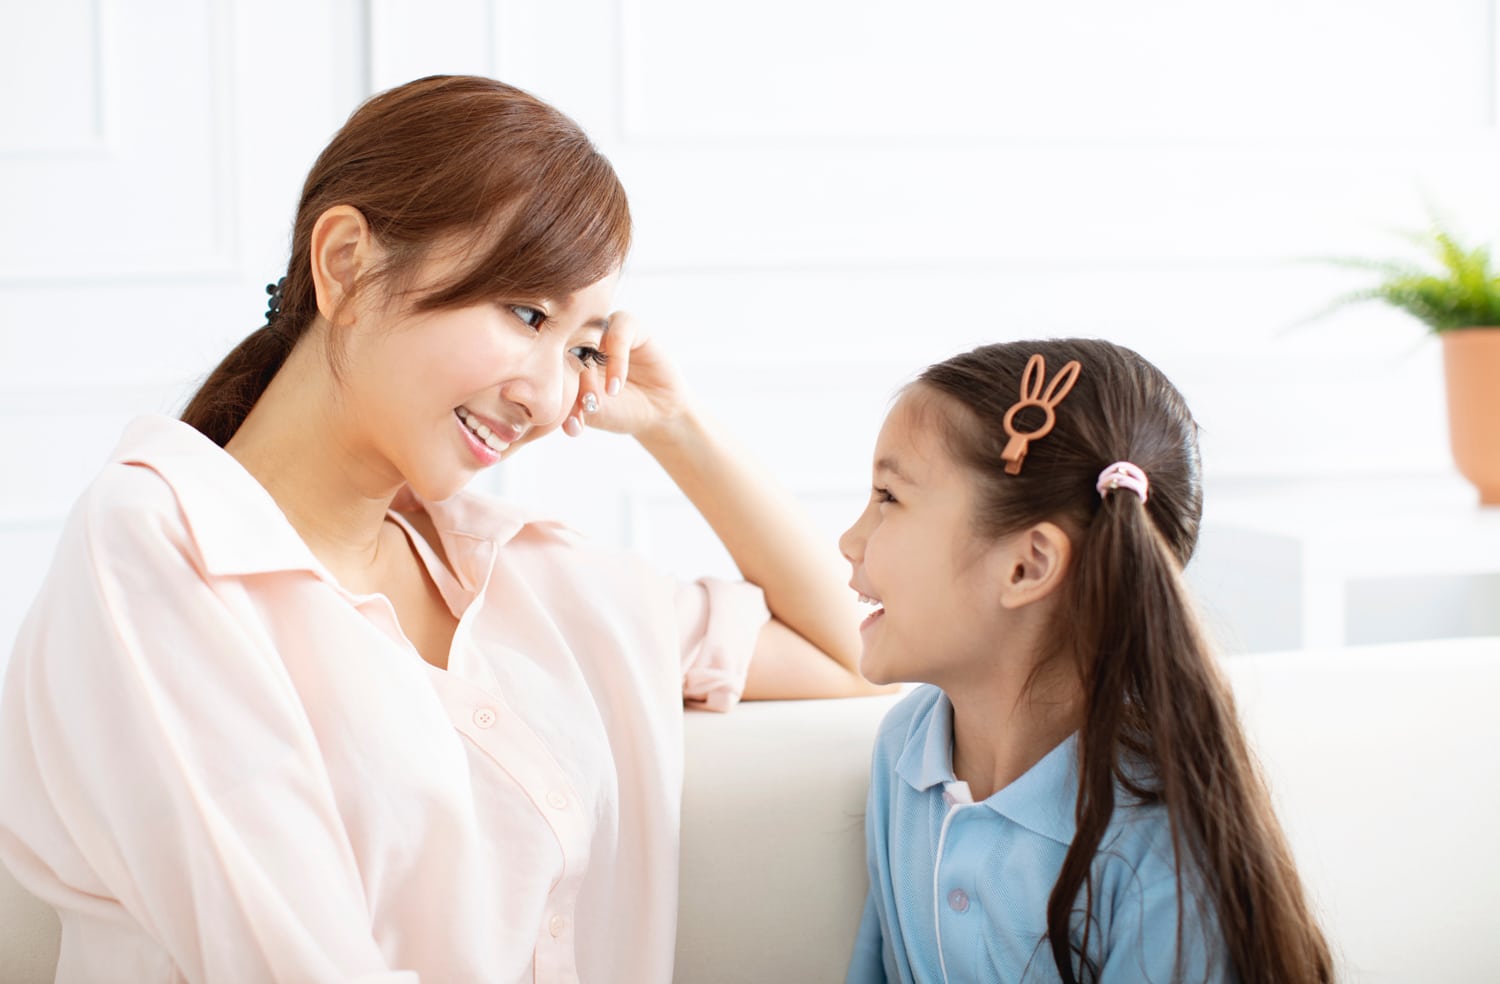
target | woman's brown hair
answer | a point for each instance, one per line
(442, 157)
(1158, 719)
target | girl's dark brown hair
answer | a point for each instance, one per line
(464, 160)
(1158, 718)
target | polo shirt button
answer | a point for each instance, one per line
(484, 717)
(958, 900)
(557, 925)
(557, 800)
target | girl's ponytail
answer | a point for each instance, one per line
(1159, 722)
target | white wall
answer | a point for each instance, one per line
(829, 195)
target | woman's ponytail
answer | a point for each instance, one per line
(224, 399)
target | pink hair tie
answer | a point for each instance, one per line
(1122, 474)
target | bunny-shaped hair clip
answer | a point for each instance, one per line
(1032, 396)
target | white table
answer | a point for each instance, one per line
(1275, 568)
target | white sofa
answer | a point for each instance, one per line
(1382, 761)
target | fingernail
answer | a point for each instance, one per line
(613, 387)
(571, 427)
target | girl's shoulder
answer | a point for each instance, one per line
(1137, 849)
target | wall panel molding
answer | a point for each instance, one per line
(57, 73)
(154, 187)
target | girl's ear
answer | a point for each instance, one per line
(1035, 562)
(342, 249)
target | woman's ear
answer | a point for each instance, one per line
(342, 249)
(1035, 563)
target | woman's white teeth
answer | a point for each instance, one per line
(479, 430)
(868, 600)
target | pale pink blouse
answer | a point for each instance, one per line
(219, 765)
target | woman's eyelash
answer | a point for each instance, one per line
(530, 317)
(535, 318)
(883, 495)
(590, 356)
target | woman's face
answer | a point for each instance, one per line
(440, 395)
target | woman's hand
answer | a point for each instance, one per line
(811, 648)
(648, 392)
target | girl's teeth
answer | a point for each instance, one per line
(482, 431)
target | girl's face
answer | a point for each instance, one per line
(914, 553)
(440, 395)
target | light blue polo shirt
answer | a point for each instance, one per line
(958, 890)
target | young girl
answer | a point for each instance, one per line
(293, 706)
(1071, 799)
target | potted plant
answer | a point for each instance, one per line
(1458, 297)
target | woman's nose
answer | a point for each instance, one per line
(539, 388)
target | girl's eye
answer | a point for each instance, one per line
(589, 356)
(882, 495)
(530, 316)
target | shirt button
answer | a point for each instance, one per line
(557, 925)
(557, 799)
(958, 900)
(484, 717)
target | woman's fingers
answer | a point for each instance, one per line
(620, 338)
(618, 341)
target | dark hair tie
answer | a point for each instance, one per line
(273, 306)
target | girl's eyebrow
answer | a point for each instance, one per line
(889, 465)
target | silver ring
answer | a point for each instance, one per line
(590, 403)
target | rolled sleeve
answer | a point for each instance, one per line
(718, 624)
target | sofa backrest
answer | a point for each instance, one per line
(1381, 761)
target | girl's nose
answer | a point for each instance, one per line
(852, 542)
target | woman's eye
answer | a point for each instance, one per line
(882, 495)
(530, 316)
(589, 356)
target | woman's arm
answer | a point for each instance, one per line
(811, 647)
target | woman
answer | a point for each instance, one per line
(292, 706)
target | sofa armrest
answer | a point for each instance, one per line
(773, 840)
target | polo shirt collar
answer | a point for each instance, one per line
(239, 529)
(1042, 800)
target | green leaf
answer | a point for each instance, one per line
(1459, 290)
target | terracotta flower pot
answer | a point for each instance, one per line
(1471, 364)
